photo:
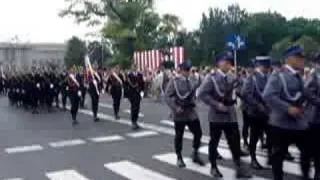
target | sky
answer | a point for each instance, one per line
(38, 20)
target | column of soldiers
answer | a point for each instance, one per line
(276, 102)
(32, 90)
(42, 90)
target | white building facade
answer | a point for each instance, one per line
(25, 56)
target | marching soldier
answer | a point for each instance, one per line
(114, 87)
(134, 87)
(313, 86)
(244, 106)
(284, 95)
(83, 87)
(257, 111)
(64, 89)
(216, 91)
(94, 91)
(74, 94)
(36, 84)
(180, 97)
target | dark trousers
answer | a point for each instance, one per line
(94, 103)
(64, 95)
(135, 100)
(246, 127)
(116, 96)
(258, 125)
(194, 127)
(281, 139)
(35, 101)
(232, 134)
(74, 100)
(49, 100)
(314, 134)
(83, 97)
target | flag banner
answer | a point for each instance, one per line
(152, 59)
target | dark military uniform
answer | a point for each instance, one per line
(134, 87)
(74, 96)
(180, 97)
(94, 91)
(114, 87)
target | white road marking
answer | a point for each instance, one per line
(171, 158)
(171, 123)
(134, 171)
(106, 105)
(128, 112)
(66, 175)
(67, 143)
(288, 167)
(106, 138)
(22, 149)
(14, 179)
(163, 130)
(160, 129)
(167, 122)
(142, 134)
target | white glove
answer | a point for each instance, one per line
(79, 93)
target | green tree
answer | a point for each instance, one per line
(309, 44)
(99, 53)
(264, 29)
(131, 24)
(76, 50)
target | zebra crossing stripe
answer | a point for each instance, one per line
(142, 134)
(66, 143)
(106, 138)
(133, 171)
(223, 143)
(66, 175)
(105, 105)
(167, 122)
(170, 158)
(22, 149)
(14, 179)
(288, 167)
(171, 123)
(128, 112)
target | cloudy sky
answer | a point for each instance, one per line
(37, 20)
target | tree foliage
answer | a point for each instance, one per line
(134, 25)
(76, 50)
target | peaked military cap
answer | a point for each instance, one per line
(186, 64)
(226, 56)
(263, 61)
(295, 50)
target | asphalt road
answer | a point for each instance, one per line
(46, 146)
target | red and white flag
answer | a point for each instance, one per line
(151, 59)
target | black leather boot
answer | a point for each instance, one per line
(196, 158)
(215, 172)
(180, 162)
(243, 172)
(255, 164)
